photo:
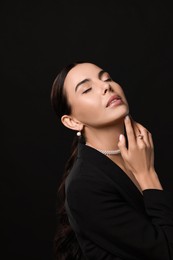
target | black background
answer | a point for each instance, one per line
(131, 39)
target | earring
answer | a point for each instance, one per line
(78, 133)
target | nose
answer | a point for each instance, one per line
(106, 88)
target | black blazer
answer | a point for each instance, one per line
(111, 218)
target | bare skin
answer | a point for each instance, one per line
(88, 91)
(139, 157)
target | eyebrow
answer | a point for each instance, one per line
(86, 80)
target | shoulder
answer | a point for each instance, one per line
(87, 183)
(84, 174)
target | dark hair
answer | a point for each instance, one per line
(65, 243)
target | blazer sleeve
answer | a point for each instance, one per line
(112, 224)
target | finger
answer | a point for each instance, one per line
(135, 127)
(122, 145)
(129, 131)
(138, 134)
(144, 133)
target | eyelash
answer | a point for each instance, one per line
(87, 90)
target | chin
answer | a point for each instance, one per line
(124, 112)
(122, 115)
(127, 113)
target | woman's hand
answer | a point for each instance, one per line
(139, 156)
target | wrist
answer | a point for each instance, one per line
(149, 180)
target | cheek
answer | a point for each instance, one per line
(83, 109)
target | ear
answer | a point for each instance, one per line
(71, 122)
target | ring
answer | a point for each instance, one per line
(140, 136)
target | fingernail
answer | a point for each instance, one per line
(120, 137)
(127, 117)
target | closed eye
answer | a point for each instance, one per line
(87, 90)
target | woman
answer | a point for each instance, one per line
(114, 204)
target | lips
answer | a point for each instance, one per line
(113, 99)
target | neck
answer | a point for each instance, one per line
(108, 152)
(105, 138)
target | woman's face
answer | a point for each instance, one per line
(96, 100)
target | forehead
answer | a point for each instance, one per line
(81, 72)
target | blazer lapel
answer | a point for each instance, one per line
(116, 175)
